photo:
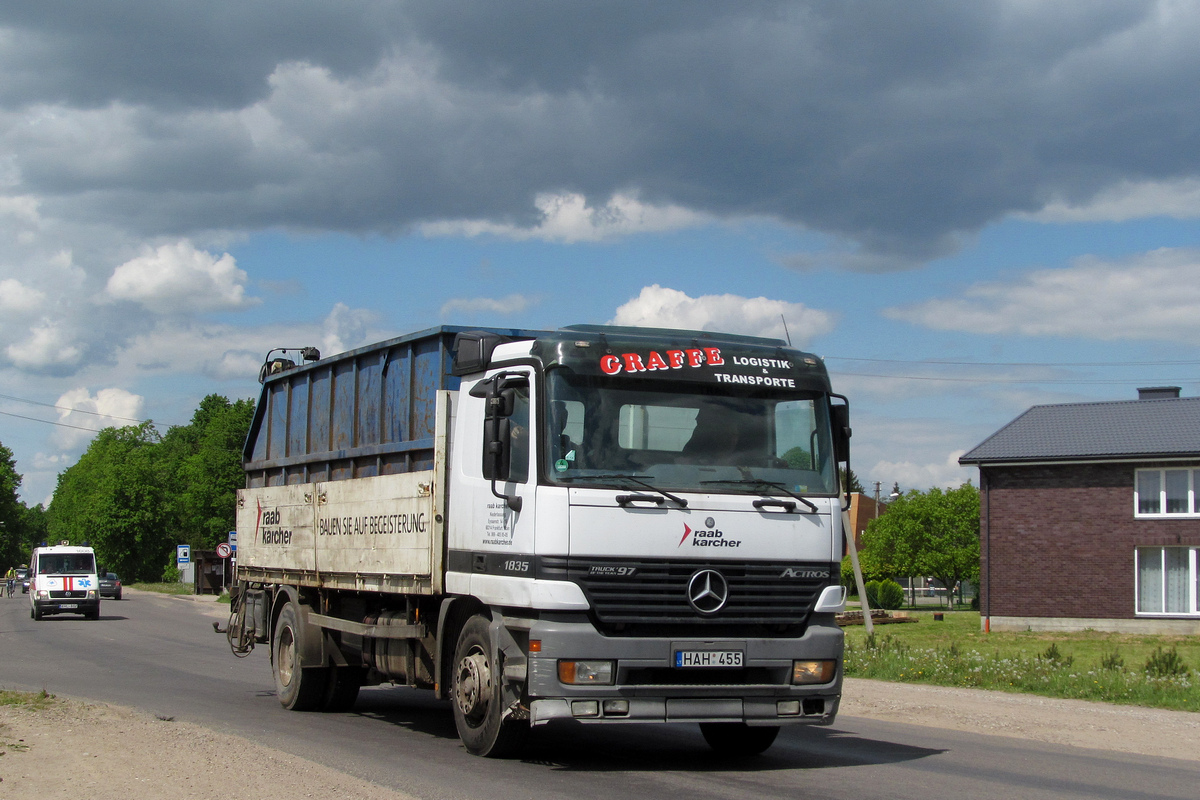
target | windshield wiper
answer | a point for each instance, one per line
(635, 479)
(769, 484)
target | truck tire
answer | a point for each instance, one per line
(475, 697)
(738, 738)
(341, 689)
(35, 613)
(298, 688)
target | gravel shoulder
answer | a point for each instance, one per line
(1078, 723)
(56, 754)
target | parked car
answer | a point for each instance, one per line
(110, 585)
(23, 579)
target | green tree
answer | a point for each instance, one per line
(208, 470)
(12, 527)
(933, 533)
(135, 495)
(113, 498)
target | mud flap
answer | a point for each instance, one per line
(514, 669)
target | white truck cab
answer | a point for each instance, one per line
(63, 580)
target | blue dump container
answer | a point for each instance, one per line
(361, 413)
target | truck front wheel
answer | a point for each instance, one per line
(738, 738)
(298, 688)
(478, 709)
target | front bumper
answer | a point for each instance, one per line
(649, 688)
(67, 606)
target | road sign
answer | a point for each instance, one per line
(233, 541)
(183, 554)
(224, 550)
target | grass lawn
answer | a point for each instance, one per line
(165, 588)
(35, 700)
(1159, 671)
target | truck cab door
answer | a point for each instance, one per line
(492, 487)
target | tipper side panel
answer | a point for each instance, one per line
(360, 414)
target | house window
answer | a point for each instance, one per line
(1167, 581)
(1166, 493)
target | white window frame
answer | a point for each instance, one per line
(1192, 579)
(1193, 502)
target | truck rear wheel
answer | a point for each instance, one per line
(341, 690)
(475, 695)
(298, 688)
(738, 738)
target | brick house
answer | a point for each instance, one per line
(863, 509)
(1090, 517)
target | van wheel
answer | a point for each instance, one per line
(738, 738)
(298, 688)
(475, 696)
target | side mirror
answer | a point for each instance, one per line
(497, 448)
(839, 417)
(500, 396)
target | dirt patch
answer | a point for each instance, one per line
(74, 749)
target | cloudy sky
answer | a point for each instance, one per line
(967, 208)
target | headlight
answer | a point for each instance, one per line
(596, 673)
(91, 595)
(42, 594)
(813, 671)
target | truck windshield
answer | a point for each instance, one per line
(682, 436)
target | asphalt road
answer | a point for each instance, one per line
(160, 654)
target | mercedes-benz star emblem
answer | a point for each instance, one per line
(708, 591)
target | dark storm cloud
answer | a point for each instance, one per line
(898, 126)
(178, 53)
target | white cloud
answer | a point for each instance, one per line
(567, 218)
(17, 297)
(179, 278)
(108, 407)
(345, 328)
(1128, 200)
(512, 304)
(1155, 295)
(661, 307)
(227, 352)
(48, 345)
(915, 475)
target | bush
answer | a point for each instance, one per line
(1112, 661)
(171, 574)
(1165, 663)
(885, 594)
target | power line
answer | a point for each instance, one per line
(66, 408)
(50, 422)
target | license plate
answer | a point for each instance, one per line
(709, 658)
(68, 605)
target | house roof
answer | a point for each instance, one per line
(1082, 431)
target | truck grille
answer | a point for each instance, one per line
(75, 595)
(627, 591)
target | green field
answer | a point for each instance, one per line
(1158, 671)
(164, 588)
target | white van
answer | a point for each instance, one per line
(63, 580)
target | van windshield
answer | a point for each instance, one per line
(683, 436)
(66, 564)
